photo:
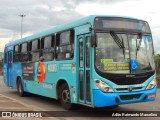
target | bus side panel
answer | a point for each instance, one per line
(47, 86)
(17, 72)
(68, 73)
(7, 66)
(5, 73)
(31, 84)
(55, 71)
(60, 70)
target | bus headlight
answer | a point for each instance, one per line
(151, 84)
(103, 86)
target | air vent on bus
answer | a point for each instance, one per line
(124, 89)
(130, 97)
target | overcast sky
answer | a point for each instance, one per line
(42, 14)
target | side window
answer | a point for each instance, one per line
(35, 45)
(24, 52)
(47, 46)
(16, 56)
(81, 52)
(65, 45)
(24, 47)
(5, 55)
(48, 42)
(16, 49)
(34, 50)
(88, 46)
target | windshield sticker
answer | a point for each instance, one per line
(106, 60)
(134, 65)
(116, 66)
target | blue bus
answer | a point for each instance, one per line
(97, 61)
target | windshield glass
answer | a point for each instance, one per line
(141, 50)
(124, 53)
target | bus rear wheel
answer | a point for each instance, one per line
(20, 88)
(65, 97)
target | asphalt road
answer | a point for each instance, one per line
(48, 104)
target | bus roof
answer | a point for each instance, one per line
(85, 20)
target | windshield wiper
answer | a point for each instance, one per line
(139, 37)
(118, 41)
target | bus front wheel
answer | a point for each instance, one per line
(20, 88)
(65, 97)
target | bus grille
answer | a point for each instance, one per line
(123, 89)
(121, 79)
(130, 97)
(129, 81)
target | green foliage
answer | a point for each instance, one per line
(157, 59)
(1, 65)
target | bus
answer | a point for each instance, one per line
(96, 61)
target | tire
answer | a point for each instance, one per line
(20, 88)
(113, 107)
(65, 97)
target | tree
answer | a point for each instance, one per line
(157, 59)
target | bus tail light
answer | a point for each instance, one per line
(151, 84)
(103, 86)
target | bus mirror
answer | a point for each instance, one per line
(93, 41)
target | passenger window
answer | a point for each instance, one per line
(16, 49)
(88, 46)
(5, 55)
(24, 47)
(16, 55)
(34, 45)
(23, 52)
(65, 45)
(34, 53)
(47, 45)
(48, 42)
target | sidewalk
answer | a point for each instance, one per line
(10, 104)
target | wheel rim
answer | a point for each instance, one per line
(65, 96)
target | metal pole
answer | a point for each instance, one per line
(22, 23)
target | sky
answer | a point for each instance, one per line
(43, 14)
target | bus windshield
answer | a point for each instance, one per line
(124, 53)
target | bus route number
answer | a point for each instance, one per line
(52, 67)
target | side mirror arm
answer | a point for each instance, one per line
(93, 41)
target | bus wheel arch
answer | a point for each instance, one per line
(63, 92)
(18, 78)
(20, 87)
(58, 87)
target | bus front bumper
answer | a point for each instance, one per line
(101, 99)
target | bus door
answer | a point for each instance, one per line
(84, 68)
(9, 68)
